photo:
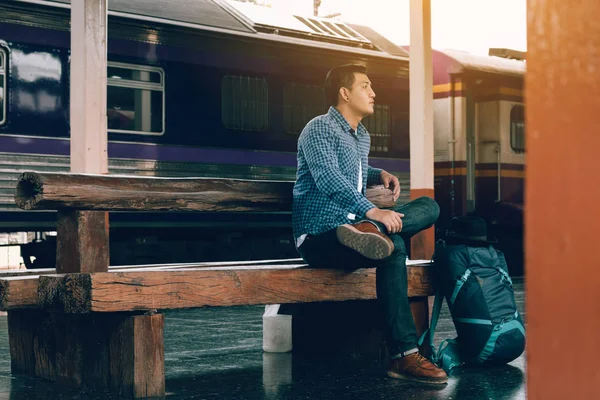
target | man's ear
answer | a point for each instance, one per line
(344, 93)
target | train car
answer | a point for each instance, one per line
(479, 124)
(203, 88)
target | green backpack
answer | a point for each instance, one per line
(474, 281)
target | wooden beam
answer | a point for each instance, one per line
(82, 241)
(18, 292)
(51, 271)
(172, 289)
(118, 352)
(53, 191)
(137, 357)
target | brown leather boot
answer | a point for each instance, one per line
(415, 367)
(366, 239)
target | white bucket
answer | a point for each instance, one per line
(277, 331)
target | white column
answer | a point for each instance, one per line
(88, 86)
(421, 97)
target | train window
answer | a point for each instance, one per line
(2, 87)
(244, 103)
(378, 126)
(135, 99)
(301, 103)
(517, 129)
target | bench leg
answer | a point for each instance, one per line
(349, 328)
(122, 353)
(352, 328)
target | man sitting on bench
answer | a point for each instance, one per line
(335, 226)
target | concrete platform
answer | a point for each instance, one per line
(216, 353)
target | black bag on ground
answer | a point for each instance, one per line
(473, 278)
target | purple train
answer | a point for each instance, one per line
(197, 88)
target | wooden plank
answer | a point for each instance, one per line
(52, 191)
(82, 241)
(18, 292)
(26, 272)
(22, 291)
(135, 290)
(52, 271)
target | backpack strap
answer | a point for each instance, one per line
(459, 285)
(435, 315)
(501, 260)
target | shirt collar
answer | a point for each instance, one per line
(339, 118)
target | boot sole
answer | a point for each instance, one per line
(370, 245)
(430, 381)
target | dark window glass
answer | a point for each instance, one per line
(517, 129)
(136, 110)
(245, 103)
(135, 99)
(301, 103)
(134, 75)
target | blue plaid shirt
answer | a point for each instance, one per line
(329, 155)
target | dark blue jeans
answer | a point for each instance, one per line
(325, 251)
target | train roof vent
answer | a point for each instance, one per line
(331, 28)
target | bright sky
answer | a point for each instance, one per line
(470, 25)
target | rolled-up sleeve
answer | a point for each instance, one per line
(374, 176)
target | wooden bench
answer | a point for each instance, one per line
(98, 327)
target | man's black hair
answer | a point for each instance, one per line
(338, 77)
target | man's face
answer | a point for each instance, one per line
(361, 97)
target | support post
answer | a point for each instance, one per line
(82, 242)
(122, 353)
(421, 136)
(561, 197)
(88, 135)
(88, 86)
(421, 117)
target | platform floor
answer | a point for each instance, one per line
(217, 353)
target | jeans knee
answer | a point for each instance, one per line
(431, 207)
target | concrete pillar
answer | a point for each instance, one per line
(421, 117)
(88, 86)
(562, 197)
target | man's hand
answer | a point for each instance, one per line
(391, 182)
(391, 219)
